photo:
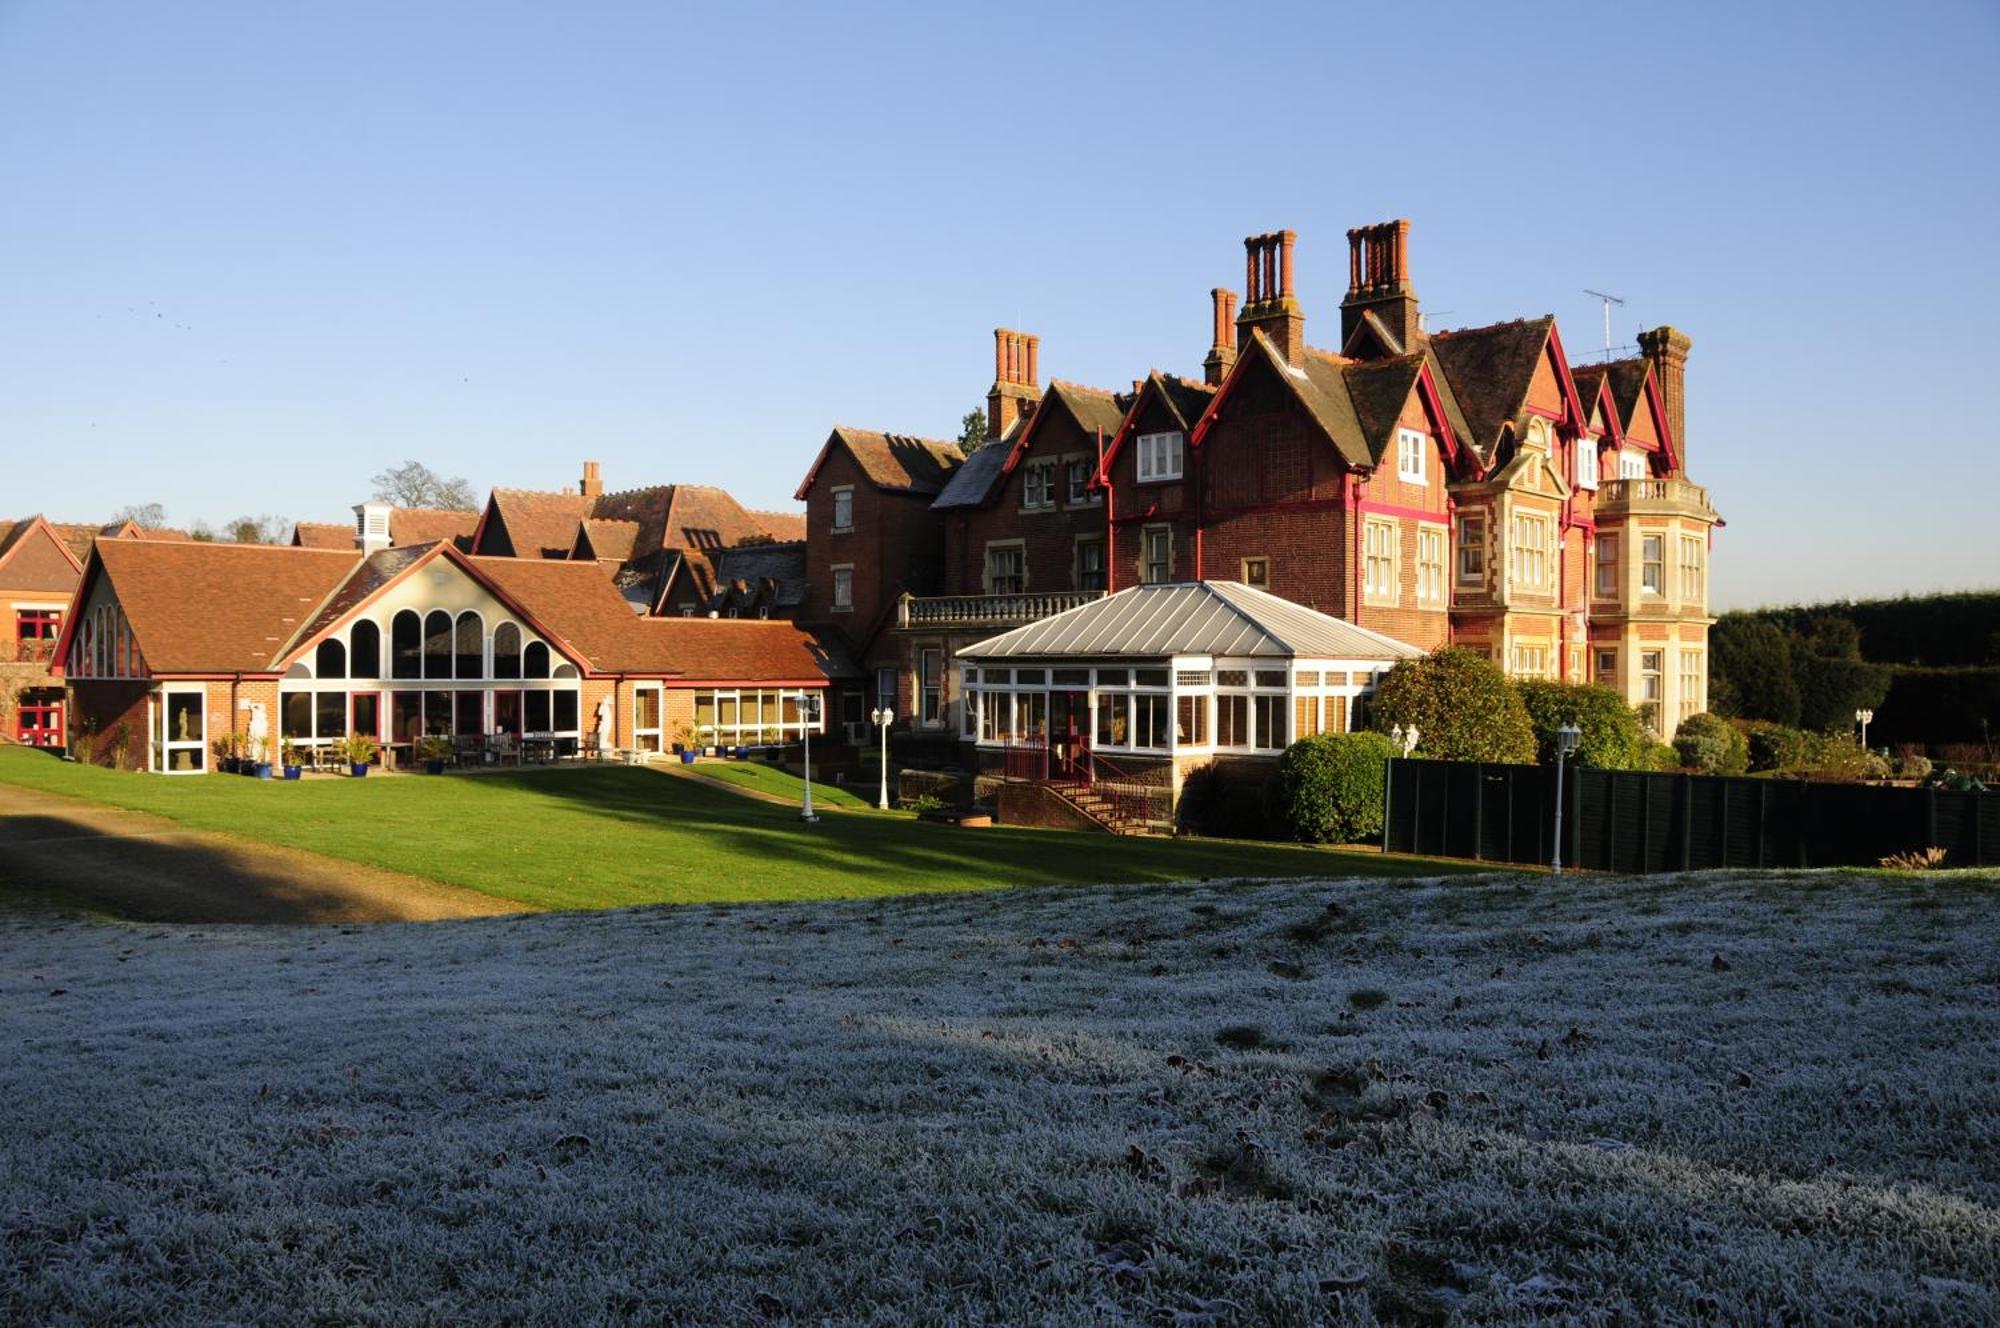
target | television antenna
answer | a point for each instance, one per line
(1609, 300)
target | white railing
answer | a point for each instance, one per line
(961, 610)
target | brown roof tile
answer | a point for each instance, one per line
(605, 540)
(539, 525)
(428, 525)
(782, 527)
(213, 607)
(897, 462)
(323, 535)
(1491, 369)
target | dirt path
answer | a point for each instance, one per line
(145, 867)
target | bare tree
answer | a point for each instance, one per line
(148, 516)
(413, 484)
(257, 530)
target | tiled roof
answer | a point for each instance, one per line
(323, 535)
(574, 602)
(1491, 369)
(782, 527)
(215, 607)
(754, 575)
(369, 575)
(896, 462)
(428, 525)
(540, 525)
(602, 539)
(1627, 380)
(1378, 391)
(1091, 407)
(729, 650)
(1218, 618)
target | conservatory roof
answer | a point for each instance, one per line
(1214, 618)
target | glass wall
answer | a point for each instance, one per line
(748, 716)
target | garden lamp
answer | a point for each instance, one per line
(1568, 738)
(1864, 718)
(883, 718)
(809, 712)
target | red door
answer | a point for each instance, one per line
(1069, 735)
(39, 723)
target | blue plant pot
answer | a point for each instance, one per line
(358, 769)
(293, 771)
(687, 758)
(262, 770)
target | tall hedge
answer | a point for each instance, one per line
(1464, 708)
(1330, 787)
(1750, 670)
(1613, 736)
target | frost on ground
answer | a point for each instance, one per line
(1715, 1099)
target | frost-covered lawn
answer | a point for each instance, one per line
(1719, 1100)
(612, 835)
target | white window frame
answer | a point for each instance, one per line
(1471, 555)
(1691, 679)
(649, 738)
(843, 496)
(1079, 573)
(1379, 573)
(1530, 564)
(1604, 576)
(1586, 462)
(1693, 569)
(1147, 535)
(1431, 571)
(166, 744)
(843, 587)
(1038, 486)
(1019, 551)
(1631, 464)
(1410, 449)
(1161, 457)
(1072, 496)
(1653, 564)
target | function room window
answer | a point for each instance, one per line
(1691, 552)
(1471, 548)
(843, 508)
(1631, 465)
(1006, 569)
(1159, 457)
(1079, 472)
(1529, 562)
(1038, 484)
(1410, 449)
(1691, 680)
(843, 587)
(1159, 565)
(1586, 463)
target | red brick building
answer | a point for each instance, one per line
(1464, 486)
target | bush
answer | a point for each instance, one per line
(1463, 707)
(1614, 738)
(1219, 802)
(1911, 763)
(1662, 757)
(1330, 787)
(1831, 690)
(1751, 673)
(1773, 746)
(1711, 745)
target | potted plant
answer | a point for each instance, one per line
(259, 764)
(686, 741)
(434, 751)
(288, 757)
(225, 753)
(705, 740)
(358, 749)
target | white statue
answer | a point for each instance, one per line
(260, 731)
(603, 724)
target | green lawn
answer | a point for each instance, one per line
(613, 835)
(778, 782)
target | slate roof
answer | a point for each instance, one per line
(755, 575)
(1490, 370)
(1219, 618)
(972, 483)
(1091, 407)
(216, 607)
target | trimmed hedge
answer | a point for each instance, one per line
(1939, 706)
(1711, 745)
(1614, 737)
(1331, 787)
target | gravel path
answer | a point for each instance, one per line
(135, 865)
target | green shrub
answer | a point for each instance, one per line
(1750, 670)
(1613, 736)
(1831, 690)
(1661, 756)
(1330, 787)
(1711, 745)
(1219, 802)
(1463, 707)
(1774, 746)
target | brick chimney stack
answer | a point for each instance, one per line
(1222, 346)
(1269, 300)
(1667, 348)
(1378, 282)
(593, 481)
(1017, 373)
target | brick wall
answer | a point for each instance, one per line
(1047, 535)
(894, 546)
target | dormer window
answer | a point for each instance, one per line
(1159, 457)
(1410, 449)
(1586, 462)
(1631, 464)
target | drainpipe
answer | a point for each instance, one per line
(1196, 474)
(1110, 521)
(1354, 519)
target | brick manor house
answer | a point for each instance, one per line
(1470, 486)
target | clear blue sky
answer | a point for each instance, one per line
(251, 254)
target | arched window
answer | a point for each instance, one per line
(470, 650)
(406, 641)
(506, 651)
(299, 670)
(364, 648)
(564, 671)
(330, 660)
(437, 644)
(535, 661)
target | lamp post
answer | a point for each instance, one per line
(1568, 738)
(883, 718)
(1404, 738)
(1864, 718)
(809, 712)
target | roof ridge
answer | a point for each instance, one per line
(1068, 385)
(1490, 327)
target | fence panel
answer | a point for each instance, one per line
(1633, 821)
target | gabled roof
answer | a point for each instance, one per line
(1094, 409)
(608, 540)
(1216, 618)
(893, 462)
(322, 535)
(53, 568)
(1625, 382)
(428, 525)
(1183, 399)
(201, 607)
(1490, 370)
(538, 524)
(371, 575)
(761, 574)
(729, 650)
(972, 484)
(1319, 384)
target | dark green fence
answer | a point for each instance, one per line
(1633, 821)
